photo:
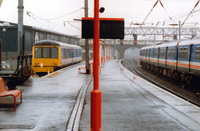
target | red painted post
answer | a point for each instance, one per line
(96, 94)
(110, 52)
(104, 51)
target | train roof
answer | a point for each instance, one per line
(192, 41)
(174, 43)
(54, 43)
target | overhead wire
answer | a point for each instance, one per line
(49, 20)
(165, 10)
(149, 13)
(190, 13)
(62, 15)
(152, 10)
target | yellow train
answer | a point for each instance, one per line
(49, 55)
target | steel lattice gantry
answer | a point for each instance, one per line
(160, 31)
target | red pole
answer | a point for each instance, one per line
(110, 53)
(96, 94)
(104, 51)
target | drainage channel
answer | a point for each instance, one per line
(73, 122)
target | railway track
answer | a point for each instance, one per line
(186, 92)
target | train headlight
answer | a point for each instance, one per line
(41, 64)
(54, 63)
(37, 64)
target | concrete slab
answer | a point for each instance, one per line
(130, 103)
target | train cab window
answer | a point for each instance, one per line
(197, 56)
(46, 52)
(54, 52)
(38, 52)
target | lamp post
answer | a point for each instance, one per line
(96, 93)
(5, 29)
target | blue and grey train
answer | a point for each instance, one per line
(179, 60)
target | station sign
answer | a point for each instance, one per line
(110, 28)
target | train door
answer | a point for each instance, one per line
(166, 51)
(176, 55)
(191, 55)
(158, 55)
(149, 55)
(146, 55)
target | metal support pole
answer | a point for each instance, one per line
(20, 27)
(87, 43)
(104, 51)
(6, 46)
(114, 49)
(96, 94)
(109, 52)
(179, 30)
(0, 52)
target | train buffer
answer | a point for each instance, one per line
(16, 76)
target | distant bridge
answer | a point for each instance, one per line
(122, 48)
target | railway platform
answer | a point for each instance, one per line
(48, 102)
(130, 103)
(56, 103)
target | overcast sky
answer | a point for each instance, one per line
(51, 14)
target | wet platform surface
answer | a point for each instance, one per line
(47, 102)
(129, 103)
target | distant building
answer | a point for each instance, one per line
(8, 35)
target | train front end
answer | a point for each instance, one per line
(45, 59)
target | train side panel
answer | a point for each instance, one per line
(183, 58)
(171, 61)
(195, 60)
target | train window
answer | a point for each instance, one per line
(67, 53)
(197, 56)
(38, 52)
(149, 52)
(80, 52)
(180, 52)
(46, 52)
(70, 53)
(155, 53)
(54, 52)
(171, 53)
(185, 53)
(162, 53)
(63, 53)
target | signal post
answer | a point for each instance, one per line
(96, 93)
(96, 28)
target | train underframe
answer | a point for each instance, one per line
(183, 77)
